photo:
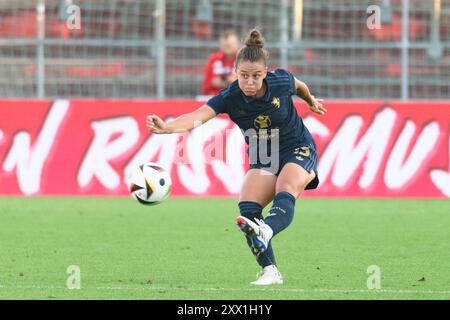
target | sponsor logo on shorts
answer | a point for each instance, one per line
(302, 152)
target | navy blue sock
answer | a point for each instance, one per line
(282, 212)
(252, 210)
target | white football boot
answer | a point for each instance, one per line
(269, 275)
(258, 233)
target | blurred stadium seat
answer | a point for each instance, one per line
(115, 52)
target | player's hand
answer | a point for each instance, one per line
(316, 106)
(156, 125)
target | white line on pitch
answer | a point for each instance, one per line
(152, 288)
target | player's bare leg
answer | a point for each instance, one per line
(258, 186)
(293, 179)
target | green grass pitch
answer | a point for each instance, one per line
(191, 249)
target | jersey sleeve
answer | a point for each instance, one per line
(218, 104)
(292, 88)
(290, 80)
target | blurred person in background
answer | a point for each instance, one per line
(218, 72)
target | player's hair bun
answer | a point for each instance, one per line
(255, 39)
(254, 48)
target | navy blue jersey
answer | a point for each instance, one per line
(275, 110)
(269, 117)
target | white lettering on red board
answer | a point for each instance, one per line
(441, 178)
(400, 169)
(193, 174)
(344, 156)
(102, 150)
(231, 172)
(163, 145)
(349, 151)
(316, 127)
(28, 159)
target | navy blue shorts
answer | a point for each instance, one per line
(303, 154)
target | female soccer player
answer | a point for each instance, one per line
(260, 103)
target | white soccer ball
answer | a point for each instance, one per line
(149, 184)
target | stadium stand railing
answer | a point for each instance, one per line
(158, 48)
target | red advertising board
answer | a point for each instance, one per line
(87, 147)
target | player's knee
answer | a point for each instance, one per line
(294, 187)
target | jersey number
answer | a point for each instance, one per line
(302, 151)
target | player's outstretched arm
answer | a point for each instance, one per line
(185, 122)
(315, 105)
